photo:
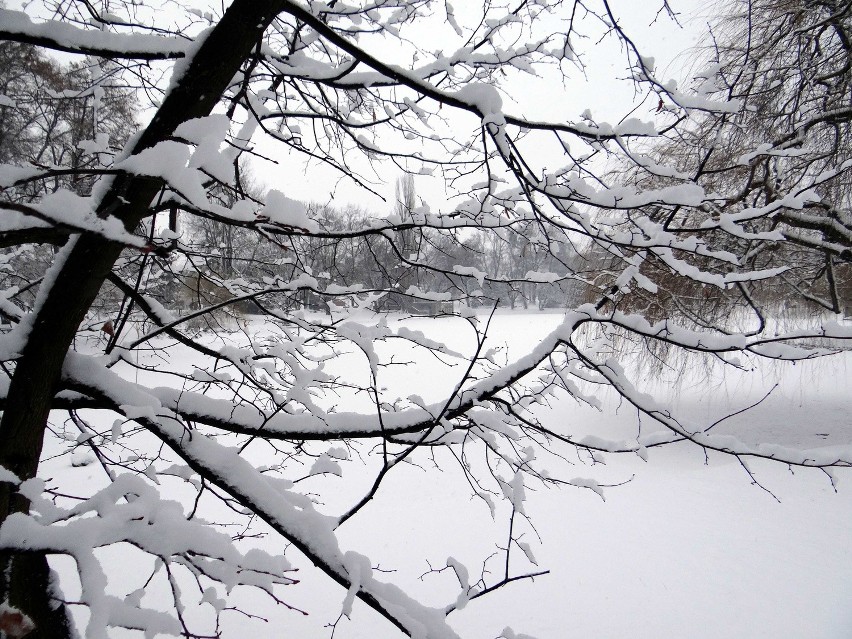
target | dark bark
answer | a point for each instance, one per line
(33, 236)
(29, 573)
(87, 263)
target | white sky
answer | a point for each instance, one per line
(603, 91)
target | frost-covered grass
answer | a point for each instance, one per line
(686, 546)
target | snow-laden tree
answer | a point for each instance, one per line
(778, 162)
(357, 87)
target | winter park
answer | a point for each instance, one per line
(383, 318)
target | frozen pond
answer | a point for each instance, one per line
(683, 545)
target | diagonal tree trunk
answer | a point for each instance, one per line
(79, 274)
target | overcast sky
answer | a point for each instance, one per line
(603, 91)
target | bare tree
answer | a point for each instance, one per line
(314, 78)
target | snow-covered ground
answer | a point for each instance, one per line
(686, 546)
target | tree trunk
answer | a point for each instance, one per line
(83, 267)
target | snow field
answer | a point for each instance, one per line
(686, 547)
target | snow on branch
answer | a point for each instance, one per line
(61, 36)
(201, 325)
